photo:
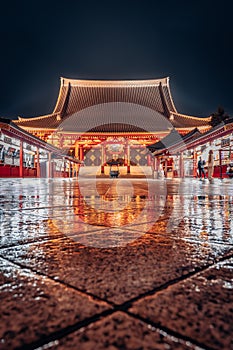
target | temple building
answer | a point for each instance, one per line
(96, 121)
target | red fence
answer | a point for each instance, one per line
(13, 171)
(7, 170)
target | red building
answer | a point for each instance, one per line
(177, 155)
(25, 155)
(96, 121)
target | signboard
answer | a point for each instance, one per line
(225, 142)
(7, 139)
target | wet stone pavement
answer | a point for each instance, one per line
(116, 264)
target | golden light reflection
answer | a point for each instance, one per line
(205, 219)
(113, 207)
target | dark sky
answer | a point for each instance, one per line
(189, 41)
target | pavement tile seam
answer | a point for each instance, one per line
(150, 292)
(50, 237)
(203, 342)
(210, 262)
(57, 280)
(25, 269)
(24, 243)
(42, 239)
(174, 338)
(126, 305)
(65, 331)
(33, 289)
(170, 332)
(72, 328)
(193, 240)
(54, 236)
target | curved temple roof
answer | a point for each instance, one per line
(77, 95)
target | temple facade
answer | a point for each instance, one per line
(95, 121)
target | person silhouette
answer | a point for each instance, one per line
(201, 168)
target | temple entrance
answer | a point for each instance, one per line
(132, 157)
(128, 153)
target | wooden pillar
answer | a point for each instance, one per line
(125, 155)
(81, 154)
(183, 172)
(64, 167)
(148, 159)
(69, 173)
(181, 165)
(102, 158)
(76, 169)
(155, 167)
(128, 158)
(220, 163)
(153, 163)
(156, 163)
(49, 165)
(37, 162)
(165, 167)
(21, 159)
(76, 150)
(194, 163)
(72, 169)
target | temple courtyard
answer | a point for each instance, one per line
(128, 263)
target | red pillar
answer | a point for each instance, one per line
(38, 162)
(194, 163)
(220, 163)
(148, 160)
(125, 155)
(154, 166)
(165, 167)
(81, 153)
(76, 150)
(156, 163)
(21, 159)
(181, 165)
(102, 159)
(69, 175)
(64, 171)
(49, 166)
(128, 159)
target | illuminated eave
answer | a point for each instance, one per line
(98, 134)
(114, 83)
(185, 129)
(37, 129)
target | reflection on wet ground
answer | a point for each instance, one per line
(123, 248)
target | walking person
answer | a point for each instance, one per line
(230, 170)
(201, 168)
(210, 165)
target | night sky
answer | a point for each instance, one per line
(189, 41)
